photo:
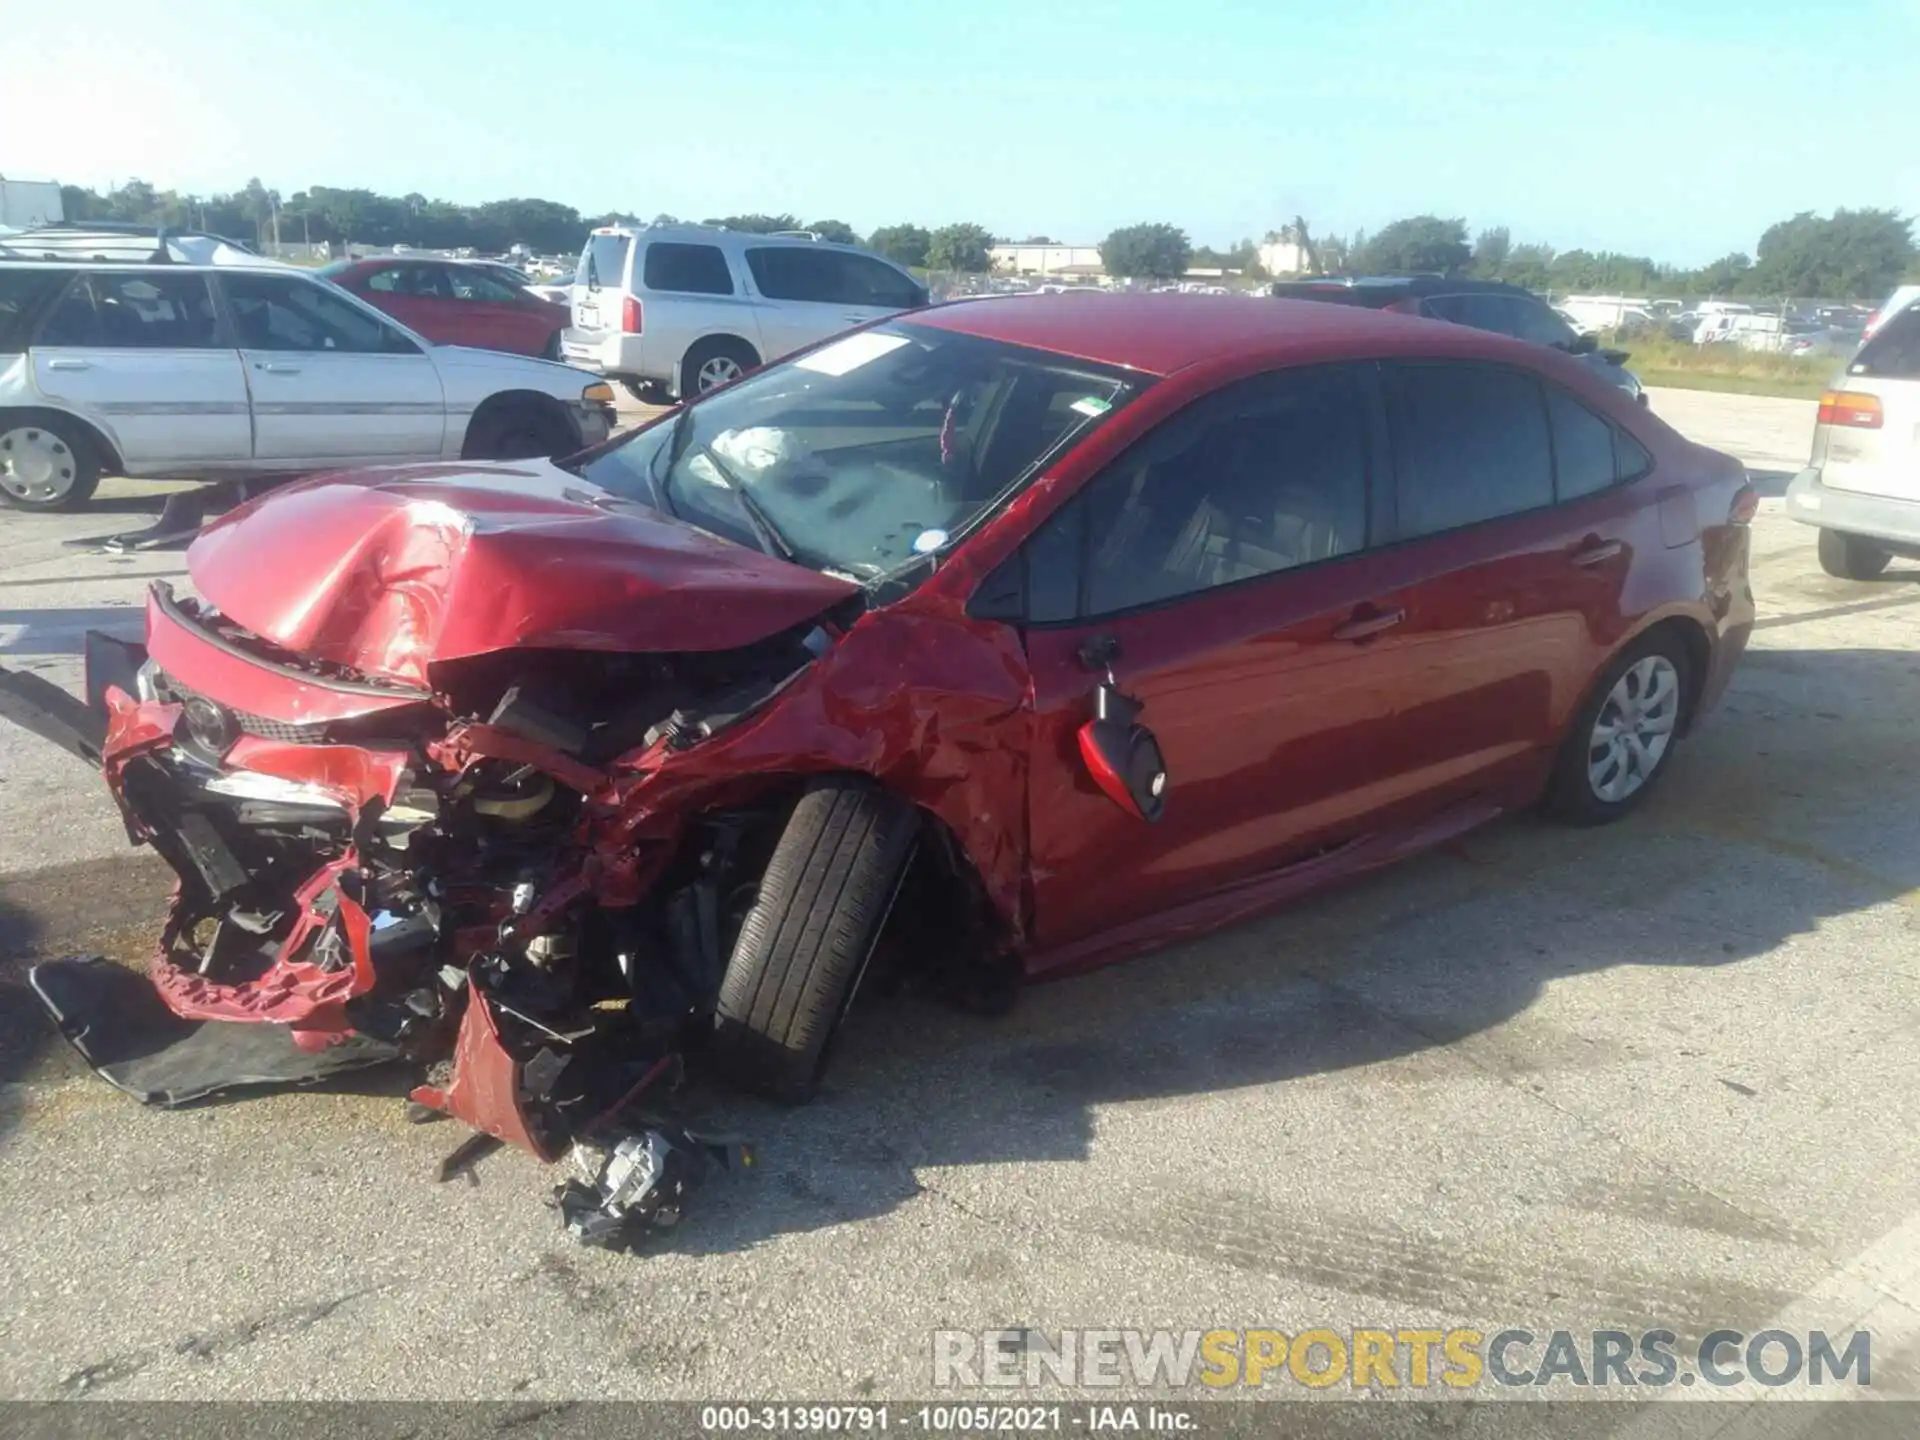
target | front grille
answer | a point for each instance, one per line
(267, 729)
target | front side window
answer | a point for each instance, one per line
(868, 452)
(134, 312)
(284, 313)
(1478, 312)
(1536, 322)
(1265, 476)
(687, 269)
(874, 282)
(1469, 444)
(793, 272)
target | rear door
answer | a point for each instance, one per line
(145, 355)
(688, 290)
(1868, 439)
(819, 292)
(328, 379)
(495, 315)
(1514, 569)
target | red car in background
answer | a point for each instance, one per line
(451, 303)
(1072, 625)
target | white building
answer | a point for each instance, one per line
(1082, 261)
(1283, 257)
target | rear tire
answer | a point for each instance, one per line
(823, 900)
(1848, 557)
(1574, 792)
(519, 430)
(717, 360)
(48, 463)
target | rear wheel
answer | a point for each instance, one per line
(46, 464)
(518, 431)
(822, 902)
(1848, 557)
(719, 360)
(1623, 738)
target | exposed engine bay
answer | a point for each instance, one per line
(503, 880)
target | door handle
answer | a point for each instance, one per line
(1366, 626)
(69, 364)
(1596, 551)
(277, 368)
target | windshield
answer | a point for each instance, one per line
(871, 451)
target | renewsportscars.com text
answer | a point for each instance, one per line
(1365, 1359)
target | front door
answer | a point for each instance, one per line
(820, 292)
(144, 353)
(330, 379)
(1224, 563)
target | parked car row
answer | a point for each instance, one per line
(163, 369)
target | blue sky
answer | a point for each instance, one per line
(1679, 128)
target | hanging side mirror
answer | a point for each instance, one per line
(1122, 755)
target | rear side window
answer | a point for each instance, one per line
(146, 311)
(1469, 443)
(687, 269)
(604, 261)
(1894, 351)
(1582, 446)
(24, 294)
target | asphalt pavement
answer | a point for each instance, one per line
(1661, 1074)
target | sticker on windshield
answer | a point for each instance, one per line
(850, 353)
(1091, 405)
(928, 541)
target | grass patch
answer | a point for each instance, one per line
(1660, 361)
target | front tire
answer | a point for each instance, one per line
(823, 901)
(47, 464)
(518, 431)
(1848, 557)
(1622, 740)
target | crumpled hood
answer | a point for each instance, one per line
(389, 570)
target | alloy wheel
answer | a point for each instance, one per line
(1634, 728)
(717, 371)
(35, 465)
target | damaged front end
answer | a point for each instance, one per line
(498, 877)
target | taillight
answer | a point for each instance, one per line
(630, 315)
(1746, 505)
(1852, 408)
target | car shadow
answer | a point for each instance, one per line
(61, 632)
(1771, 484)
(1785, 793)
(1445, 948)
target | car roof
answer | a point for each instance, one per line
(715, 234)
(1159, 334)
(254, 265)
(1400, 285)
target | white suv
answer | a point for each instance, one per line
(1862, 484)
(172, 370)
(674, 311)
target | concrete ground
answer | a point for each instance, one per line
(1662, 1074)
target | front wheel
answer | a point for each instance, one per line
(518, 432)
(822, 903)
(1622, 740)
(45, 464)
(1848, 557)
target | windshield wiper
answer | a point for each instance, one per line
(756, 514)
(660, 472)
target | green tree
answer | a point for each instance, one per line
(962, 246)
(1490, 251)
(1418, 245)
(1529, 265)
(1854, 255)
(902, 244)
(1723, 277)
(838, 231)
(1147, 252)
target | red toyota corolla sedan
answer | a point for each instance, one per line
(1029, 632)
(455, 304)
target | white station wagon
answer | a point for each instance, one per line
(203, 371)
